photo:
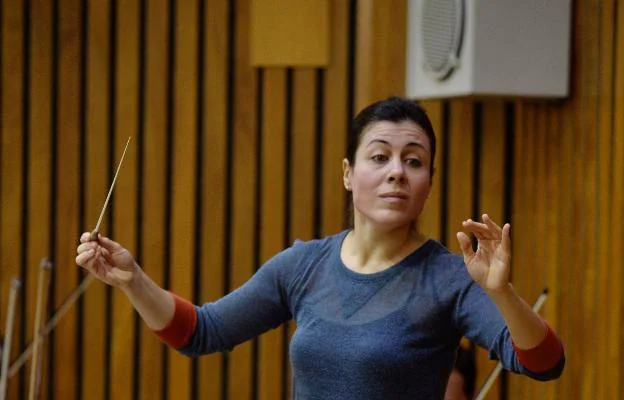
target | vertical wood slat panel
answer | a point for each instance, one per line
(12, 167)
(528, 274)
(616, 233)
(576, 363)
(39, 165)
(553, 198)
(335, 123)
(567, 224)
(272, 218)
(430, 219)
(124, 201)
(460, 169)
(66, 229)
(215, 183)
(525, 268)
(604, 195)
(153, 183)
(518, 213)
(383, 74)
(98, 176)
(243, 209)
(183, 180)
(586, 189)
(491, 199)
(540, 267)
(303, 150)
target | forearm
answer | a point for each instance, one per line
(155, 305)
(525, 326)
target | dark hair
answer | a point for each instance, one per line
(393, 109)
(466, 365)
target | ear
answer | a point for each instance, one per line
(346, 174)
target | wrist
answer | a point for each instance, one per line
(506, 292)
(135, 281)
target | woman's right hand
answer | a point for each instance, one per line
(107, 260)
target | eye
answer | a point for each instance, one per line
(379, 158)
(414, 162)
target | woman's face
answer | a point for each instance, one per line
(390, 179)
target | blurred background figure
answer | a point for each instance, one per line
(462, 382)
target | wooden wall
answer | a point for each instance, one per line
(228, 164)
(555, 170)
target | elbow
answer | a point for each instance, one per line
(550, 374)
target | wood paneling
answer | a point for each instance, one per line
(98, 173)
(272, 218)
(67, 136)
(39, 165)
(560, 187)
(290, 33)
(183, 180)
(12, 162)
(229, 163)
(214, 172)
(153, 152)
(243, 211)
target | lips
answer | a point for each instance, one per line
(395, 195)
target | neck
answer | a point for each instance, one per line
(372, 249)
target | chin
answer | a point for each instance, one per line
(392, 220)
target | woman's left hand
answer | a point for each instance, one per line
(489, 266)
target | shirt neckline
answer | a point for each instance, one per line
(414, 258)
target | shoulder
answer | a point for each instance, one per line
(318, 246)
(448, 266)
(306, 252)
(440, 255)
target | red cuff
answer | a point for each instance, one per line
(545, 355)
(180, 329)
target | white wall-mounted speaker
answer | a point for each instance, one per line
(505, 48)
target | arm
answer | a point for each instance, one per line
(155, 305)
(166, 314)
(535, 344)
(257, 306)
(527, 328)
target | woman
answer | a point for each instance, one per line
(379, 308)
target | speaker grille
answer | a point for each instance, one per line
(441, 36)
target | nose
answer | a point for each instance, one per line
(397, 172)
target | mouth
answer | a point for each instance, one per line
(394, 195)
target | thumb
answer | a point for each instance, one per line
(108, 244)
(466, 246)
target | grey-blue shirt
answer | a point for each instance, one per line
(386, 335)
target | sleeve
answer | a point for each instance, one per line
(257, 306)
(477, 318)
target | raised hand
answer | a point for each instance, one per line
(107, 260)
(489, 266)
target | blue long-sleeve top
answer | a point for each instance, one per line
(391, 334)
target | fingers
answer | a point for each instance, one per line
(466, 245)
(86, 247)
(85, 257)
(480, 230)
(108, 244)
(506, 242)
(85, 237)
(491, 224)
(486, 230)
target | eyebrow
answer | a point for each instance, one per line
(410, 144)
